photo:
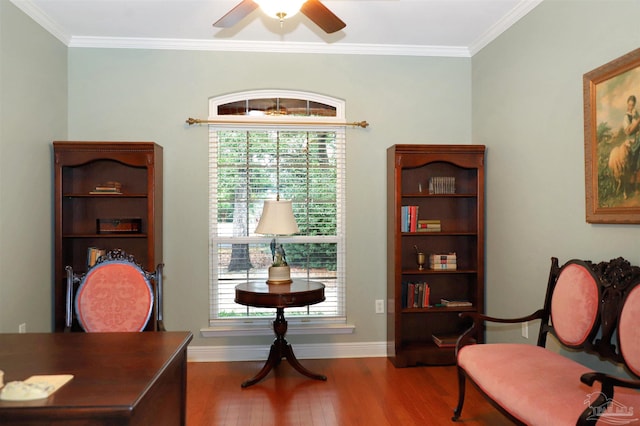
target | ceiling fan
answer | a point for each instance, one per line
(282, 9)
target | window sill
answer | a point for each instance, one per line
(267, 330)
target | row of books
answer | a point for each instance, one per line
(417, 295)
(447, 261)
(409, 218)
(410, 223)
(442, 185)
(93, 253)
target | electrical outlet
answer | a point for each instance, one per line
(525, 330)
(379, 306)
(22, 328)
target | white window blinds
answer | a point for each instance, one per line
(250, 165)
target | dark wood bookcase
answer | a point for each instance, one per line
(414, 173)
(80, 167)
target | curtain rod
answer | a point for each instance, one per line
(190, 121)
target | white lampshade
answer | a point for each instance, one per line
(277, 218)
(280, 9)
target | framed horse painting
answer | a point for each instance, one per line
(612, 141)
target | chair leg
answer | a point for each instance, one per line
(68, 314)
(461, 390)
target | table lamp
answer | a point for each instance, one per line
(277, 219)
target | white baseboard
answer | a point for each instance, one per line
(308, 351)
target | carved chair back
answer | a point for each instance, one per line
(595, 308)
(628, 330)
(116, 294)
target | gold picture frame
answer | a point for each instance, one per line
(612, 141)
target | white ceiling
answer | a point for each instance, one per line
(395, 27)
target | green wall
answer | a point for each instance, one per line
(528, 108)
(117, 94)
(33, 112)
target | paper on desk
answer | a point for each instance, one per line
(35, 387)
(55, 380)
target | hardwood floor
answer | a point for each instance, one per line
(359, 391)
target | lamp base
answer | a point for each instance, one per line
(279, 275)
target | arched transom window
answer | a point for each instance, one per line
(267, 145)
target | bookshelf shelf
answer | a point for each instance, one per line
(106, 236)
(436, 234)
(458, 215)
(105, 195)
(423, 195)
(438, 309)
(438, 271)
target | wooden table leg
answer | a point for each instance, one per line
(280, 348)
(272, 361)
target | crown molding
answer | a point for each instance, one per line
(503, 25)
(43, 20)
(266, 47)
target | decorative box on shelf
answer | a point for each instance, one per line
(119, 226)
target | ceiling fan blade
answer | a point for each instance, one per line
(322, 16)
(236, 14)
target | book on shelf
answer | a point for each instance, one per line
(107, 188)
(409, 216)
(429, 226)
(449, 303)
(442, 185)
(93, 254)
(443, 262)
(447, 261)
(447, 340)
(426, 223)
(443, 267)
(104, 191)
(443, 258)
(417, 295)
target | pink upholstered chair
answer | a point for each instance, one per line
(575, 305)
(616, 392)
(115, 295)
(593, 308)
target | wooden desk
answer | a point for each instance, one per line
(119, 378)
(280, 296)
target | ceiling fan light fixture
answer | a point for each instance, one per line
(318, 13)
(280, 9)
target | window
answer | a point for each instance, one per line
(258, 160)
